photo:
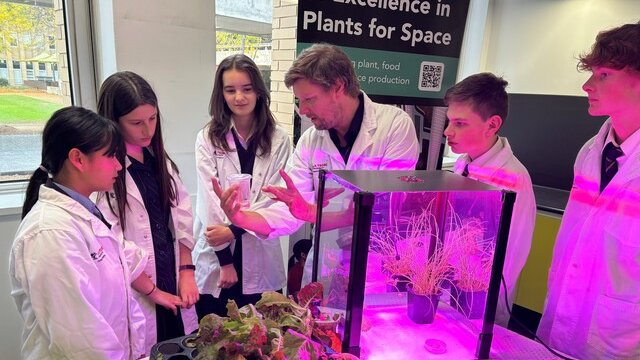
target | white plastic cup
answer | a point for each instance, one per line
(244, 187)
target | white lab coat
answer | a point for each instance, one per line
(71, 284)
(262, 262)
(387, 141)
(500, 168)
(592, 310)
(138, 231)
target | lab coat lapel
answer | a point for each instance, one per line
(628, 172)
(364, 140)
(261, 165)
(591, 172)
(335, 159)
(76, 209)
(232, 156)
(132, 188)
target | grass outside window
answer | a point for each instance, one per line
(24, 109)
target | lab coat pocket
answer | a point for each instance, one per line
(615, 328)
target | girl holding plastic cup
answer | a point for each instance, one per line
(241, 144)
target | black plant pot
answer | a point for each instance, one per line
(181, 348)
(400, 284)
(421, 309)
(453, 300)
(471, 303)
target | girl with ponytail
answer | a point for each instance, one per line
(69, 273)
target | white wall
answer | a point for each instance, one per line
(534, 44)
(11, 328)
(171, 44)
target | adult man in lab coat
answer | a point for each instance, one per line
(478, 105)
(350, 132)
(592, 309)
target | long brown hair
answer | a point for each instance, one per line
(120, 94)
(264, 123)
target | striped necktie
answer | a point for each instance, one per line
(609, 167)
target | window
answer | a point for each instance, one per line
(30, 88)
(244, 26)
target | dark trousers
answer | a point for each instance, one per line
(208, 304)
(169, 326)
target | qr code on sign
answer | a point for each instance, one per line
(430, 76)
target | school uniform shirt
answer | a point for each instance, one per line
(138, 231)
(262, 261)
(499, 167)
(592, 310)
(71, 284)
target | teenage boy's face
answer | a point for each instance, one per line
(612, 92)
(467, 132)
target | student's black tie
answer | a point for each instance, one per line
(465, 172)
(609, 167)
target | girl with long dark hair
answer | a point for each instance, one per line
(152, 206)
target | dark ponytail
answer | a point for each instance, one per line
(38, 178)
(68, 128)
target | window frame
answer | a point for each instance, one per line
(80, 53)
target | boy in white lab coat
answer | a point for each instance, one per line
(592, 309)
(478, 106)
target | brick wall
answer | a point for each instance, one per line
(283, 54)
(61, 48)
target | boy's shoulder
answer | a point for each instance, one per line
(504, 169)
(513, 175)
